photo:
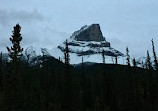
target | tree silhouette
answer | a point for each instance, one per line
(103, 56)
(128, 57)
(148, 61)
(66, 53)
(154, 54)
(13, 99)
(15, 52)
(134, 62)
(116, 60)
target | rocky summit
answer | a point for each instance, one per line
(89, 33)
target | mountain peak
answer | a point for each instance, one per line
(89, 33)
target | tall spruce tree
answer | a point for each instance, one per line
(13, 99)
(116, 60)
(134, 62)
(66, 53)
(66, 101)
(154, 54)
(15, 52)
(128, 57)
(103, 56)
(148, 61)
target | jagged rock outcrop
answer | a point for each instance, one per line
(89, 41)
(91, 33)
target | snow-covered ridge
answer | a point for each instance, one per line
(33, 55)
(33, 52)
(83, 48)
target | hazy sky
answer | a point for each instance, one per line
(47, 23)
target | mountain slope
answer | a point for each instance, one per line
(85, 44)
(89, 43)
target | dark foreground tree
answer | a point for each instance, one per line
(13, 99)
(134, 62)
(15, 52)
(154, 54)
(103, 56)
(66, 53)
(148, 61)
(66, 94)
(116, 60)
(128, 57)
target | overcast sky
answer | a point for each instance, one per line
(47, 23)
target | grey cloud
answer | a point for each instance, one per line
(44, 37)
(7, 16)
(27, 20)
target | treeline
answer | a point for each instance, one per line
(146, 65)
(57, 86)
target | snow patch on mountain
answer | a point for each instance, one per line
(33, 52)
(96, 58)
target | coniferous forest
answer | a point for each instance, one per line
(58, 86)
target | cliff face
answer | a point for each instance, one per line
(91, 33)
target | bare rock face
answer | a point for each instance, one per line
(92, 33)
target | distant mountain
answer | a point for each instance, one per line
(89, 33)
(89, 43)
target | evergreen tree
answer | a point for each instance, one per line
(148, 61)
(134, 62)
(59, 58)
(43, 85)
(103, 56)
(116, 60)
(13, 100)
(128, 57)
(66, 53)
(15, 52)
(154, 54)
(66, 95)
